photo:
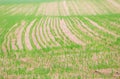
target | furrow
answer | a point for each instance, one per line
(65, 39)
(39, 35)
(13, 42)
(34, 38)
(86, 29)
(45, 32)
(90, 30)
(69, 34)
(6, 42)
(78, 33)
(100, 27)
(82, 28)
(42, 34)
(19, 35)
(66, 7)
(49, 26)
(27, 32)
(72, 29)
(56, 30)
(114, 3)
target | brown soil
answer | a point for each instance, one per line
(66, 8)
(13, 41)
(50, 34)
(34, 38)
(19, 34)
(71, 36)
(100, 27)
(83, 29)
(112, 72)
(95, 58)
(46, 33)
(104, 71)
(39, 34)
(27, 39)
(8, 42)
(61, 34)
(4, 48)
(114, 3)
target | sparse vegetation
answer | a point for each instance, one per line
(59, 39)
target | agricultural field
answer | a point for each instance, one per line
(59, 39)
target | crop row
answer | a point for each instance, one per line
(63, 8)
(49, 32)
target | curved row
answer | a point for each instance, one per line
(6, 42)
(34, 37)
(50, 32)
(87, 29)
(100, 27)
(71, 36)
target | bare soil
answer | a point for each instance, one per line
(71, 36)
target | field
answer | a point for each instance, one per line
(59, 39)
